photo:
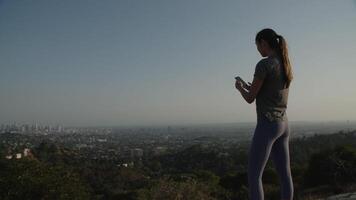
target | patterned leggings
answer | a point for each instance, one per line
(270, 137)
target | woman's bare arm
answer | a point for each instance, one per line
(249, 95)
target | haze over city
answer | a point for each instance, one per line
(81, 63)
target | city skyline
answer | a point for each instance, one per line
(127, 63)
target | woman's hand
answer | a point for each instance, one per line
(239, 85)
(242, 84)
(247, 86)
(253, 89)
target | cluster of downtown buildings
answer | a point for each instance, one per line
(30, 128)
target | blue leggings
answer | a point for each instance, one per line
(270, 137)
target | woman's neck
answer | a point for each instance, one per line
(272, 53)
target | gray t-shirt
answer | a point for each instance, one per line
(271, 100)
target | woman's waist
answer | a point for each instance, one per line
(272, 115)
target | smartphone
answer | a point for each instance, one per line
(238, 78)
(243, 82)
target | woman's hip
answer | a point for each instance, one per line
(275, 128)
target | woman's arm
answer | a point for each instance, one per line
(249, 95)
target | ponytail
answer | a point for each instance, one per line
(285, 59)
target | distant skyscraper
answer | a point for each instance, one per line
(59, 128)
(36, 127)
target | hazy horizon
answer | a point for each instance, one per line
(126, 63)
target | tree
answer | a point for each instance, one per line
(335, 166)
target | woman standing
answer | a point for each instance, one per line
(270, 87)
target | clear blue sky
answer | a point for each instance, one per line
(132, 62)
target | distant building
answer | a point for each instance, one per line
(159, 150)
(79, 146)
(130, 164)
(59, 129)
(101, 140)
(136, 153)
(26, 152)
(125, 152)
(18, 155)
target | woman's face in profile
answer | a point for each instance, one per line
(261, 47)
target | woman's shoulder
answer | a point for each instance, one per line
(266, 62)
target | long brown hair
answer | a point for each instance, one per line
(278, 43)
